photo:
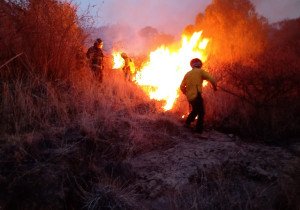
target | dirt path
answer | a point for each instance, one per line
(209, 156)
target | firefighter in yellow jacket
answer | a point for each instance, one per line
(191, 86)
(128, 68)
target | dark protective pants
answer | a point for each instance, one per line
(127, 73)
(98, 72)
(197, 110)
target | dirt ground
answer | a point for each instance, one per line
(210, 165)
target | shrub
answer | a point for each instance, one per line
(258, 99)
(47, 35)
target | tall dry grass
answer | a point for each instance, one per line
(259, 98)
(227, 187)
(49, 83)
(59, 126)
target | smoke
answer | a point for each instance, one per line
(139, 26)
(135, 42)
(277, 10)
(122, 21)
(169, 16)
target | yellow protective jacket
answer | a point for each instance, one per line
(191, 84)
(129, 64)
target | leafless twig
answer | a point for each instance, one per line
(235, 94)
(10, 60)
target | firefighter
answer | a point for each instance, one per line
(191, 86)
(128, 68)
(95, 57)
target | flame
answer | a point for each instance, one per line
(161, 76)
(118, 60)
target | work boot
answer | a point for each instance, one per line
(199, 126)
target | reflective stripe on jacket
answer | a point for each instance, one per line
(191, 84)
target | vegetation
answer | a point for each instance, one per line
(62, 134)
(257, 66)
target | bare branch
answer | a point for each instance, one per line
(10, 60)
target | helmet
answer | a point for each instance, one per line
(99, 41)
(124, 55)
(196, 63)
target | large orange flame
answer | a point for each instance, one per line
(161, 76)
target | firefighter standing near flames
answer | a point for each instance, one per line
(128, 68)
(95, 56)
(191, 86)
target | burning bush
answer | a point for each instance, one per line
(257, 66)
(262, 89)
(236, 29)
(59, 126)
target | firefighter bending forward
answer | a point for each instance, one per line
(95, 56)
(191, 86)
(128, 68)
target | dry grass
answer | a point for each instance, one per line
(257, 100)
(228, 187)
(58, 125)
(110, 196)
(258, 63)
(60, 128)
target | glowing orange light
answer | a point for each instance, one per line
(161, 76)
